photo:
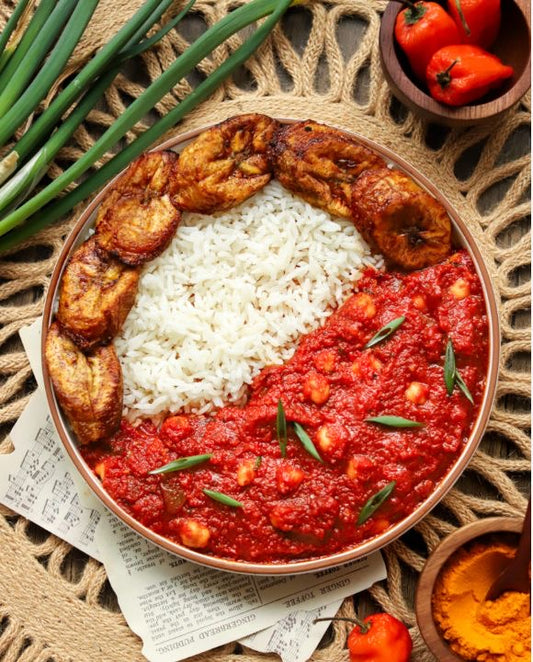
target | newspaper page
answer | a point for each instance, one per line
(39, 481)
(295, 636)
(178, 608)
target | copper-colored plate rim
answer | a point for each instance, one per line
(426, 581)
(462, 113)
(367, 547)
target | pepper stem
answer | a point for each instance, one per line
(364, 627)
(443, 77)
(462, 17)
(414, 11)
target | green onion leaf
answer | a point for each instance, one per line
(394, 422)
(13, 31)
(451, 374)
(449, 368)
(258, 461)
(306, 442)
(375, 502)
(281, 429)
(385, 331)
(181, 463)
(223, 498)
(463, 387)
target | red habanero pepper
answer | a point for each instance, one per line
(378, 638)
(420, 30)
(478, 21)
(458, 75)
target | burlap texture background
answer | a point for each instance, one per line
(332, 73)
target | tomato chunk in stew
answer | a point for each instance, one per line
(298, 474)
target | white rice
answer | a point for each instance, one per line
(232, 294)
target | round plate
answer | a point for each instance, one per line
(461, 237)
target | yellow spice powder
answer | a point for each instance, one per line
(485, 631)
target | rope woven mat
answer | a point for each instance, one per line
(331, 73)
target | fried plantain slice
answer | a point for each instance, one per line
(88, 387)
(137, 220)
(225, 165)
(96, 294)
(407, 225)
(320, 163)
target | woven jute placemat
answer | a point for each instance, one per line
(331, 73)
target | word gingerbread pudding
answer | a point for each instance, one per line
(330, 441)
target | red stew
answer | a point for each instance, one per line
(296, 507)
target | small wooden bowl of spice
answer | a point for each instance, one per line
(453, 615)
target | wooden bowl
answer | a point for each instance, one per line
(424, 591)
(512, 47)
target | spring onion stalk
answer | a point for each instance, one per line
(18, 186)
(51, 69)
(9, 32)
(43, 11)
(21, 184)
(212, 38)
(12, 83)
(41, 128)
(137, 49)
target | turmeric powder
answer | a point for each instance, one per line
(485, 631)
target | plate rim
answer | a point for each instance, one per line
(357, 553)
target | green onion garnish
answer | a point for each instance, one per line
(463, 387)
(449, 368)
(258, 461)
(281, 429)
(394, 422)
(375, 502)
(181, 463)
(385, 331)
(306, 442)
(223, 498)
(451, 374)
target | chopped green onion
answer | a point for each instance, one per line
(306, 442)
(375, 502)
(385, 331)
(463, 387)
(209, 40)
(223, 498)
(281, 429)
(394, 422)
(452, 377)
(181, 463)
(449, 368)
(257, 463)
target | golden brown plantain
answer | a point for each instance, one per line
(88, 387)
(407, 225)
(224, 165)
(320, 163)
(96, 294)
(137, 220)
